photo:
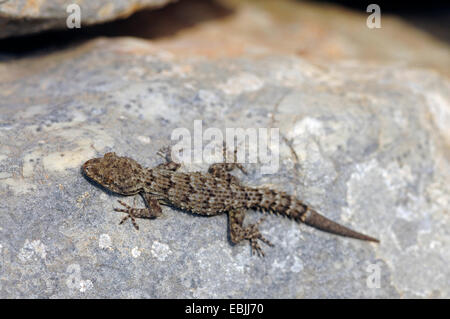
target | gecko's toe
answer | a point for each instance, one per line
(124, 204)
(256, 249)
(133, 221)
(266, 241)
(243, 170)
(124, 219)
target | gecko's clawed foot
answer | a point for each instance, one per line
(130, 211)
(163, 151)
(253, 235)
(166, 153)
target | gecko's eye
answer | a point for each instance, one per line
(88, 169)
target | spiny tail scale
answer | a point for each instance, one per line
(284, 204)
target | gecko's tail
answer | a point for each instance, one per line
(314, 219)
(287, 205)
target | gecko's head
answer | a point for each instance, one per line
(119, 174)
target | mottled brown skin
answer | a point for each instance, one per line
(210, 194)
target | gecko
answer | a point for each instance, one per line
(212, 193)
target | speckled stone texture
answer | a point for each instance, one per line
(366, 145)
(20, 17)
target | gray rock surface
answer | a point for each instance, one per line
(21, 17)
(368, 146)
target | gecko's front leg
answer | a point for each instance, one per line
(152, 211)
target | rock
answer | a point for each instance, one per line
(367, 145)
(26, 17)
(314, 31)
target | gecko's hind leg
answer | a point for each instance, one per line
(165, 152)
(222, 170)
(238, 232)
(152, 211)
